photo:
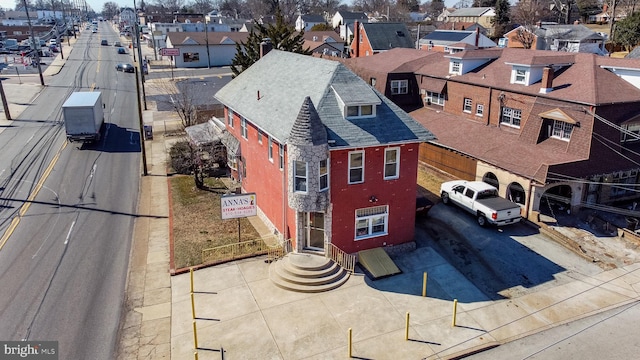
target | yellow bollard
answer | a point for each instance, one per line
(349, 343)
(455, 308)
(406, 329)
(195, 334)
(195, 355)
(191, 273)
(193, 307)
(424, 284)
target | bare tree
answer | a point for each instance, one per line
(180, 99)
(201, 6)
(172, 5)
(527, 13)
(110, 9)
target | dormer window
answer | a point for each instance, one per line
(519, 76)
(562, 130)
(359, 111)
(455, 67)
(399, 87)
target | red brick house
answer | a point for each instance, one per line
(372, 38)
(544, 127)
(332, 161)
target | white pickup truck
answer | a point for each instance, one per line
(481, 200)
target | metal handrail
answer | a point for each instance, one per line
(234, 251)
(277, 252)
(346, 261)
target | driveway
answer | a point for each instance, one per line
(472, 264)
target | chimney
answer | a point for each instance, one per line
(265, 47)
(356, 38)
(477, 36)
(547, 80)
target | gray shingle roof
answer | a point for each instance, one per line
(312, 18)
(348, 15)
(308, 129)
(567, 32)
(385, 36)
(272, 91)
(472, 11)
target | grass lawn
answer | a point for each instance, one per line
(197, 222)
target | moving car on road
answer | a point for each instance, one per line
(104, 42)
(125, 68)
(122, 50)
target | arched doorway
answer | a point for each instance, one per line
(491, 179)
(515, 193)
(556, 200)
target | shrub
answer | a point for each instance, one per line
(181, 157)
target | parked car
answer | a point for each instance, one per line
(104, 42)
(125, 68)
(122, 50)
(53, 42)
(481, 200)
(94, 30)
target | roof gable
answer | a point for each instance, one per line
(385, 36)
(271, 91)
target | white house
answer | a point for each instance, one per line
(348, 17)
(306, 22)
(193, 48)
(127, 16)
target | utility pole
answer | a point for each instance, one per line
(5, 105)
(140, 60)
(206, 39)
(33, 42)
(141, 126)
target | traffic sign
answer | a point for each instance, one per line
(170, 52)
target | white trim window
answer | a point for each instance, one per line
(259, 136)
(243, 127)
(399, 87)
(468, 105)
(455, 67)
(392, 163)
(520, 76)
(356, 167)
(300, 176)
(479, 110)
(371, 222)
(270, 150)
(360, 111)
(435, 98)
(230, 117)
(561, 130)
(281, 156)
(323, 173)
(511, 117)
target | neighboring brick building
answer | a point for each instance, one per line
(373, 38)
(544, 127)
(332, 161)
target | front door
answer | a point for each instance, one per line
(314, 230)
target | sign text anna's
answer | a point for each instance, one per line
(238, 206)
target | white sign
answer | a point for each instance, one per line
(170, 52)
(238, 206)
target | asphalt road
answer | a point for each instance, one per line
(63, 269)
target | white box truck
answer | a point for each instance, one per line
(83, 114)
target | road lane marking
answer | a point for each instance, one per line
(16, 220)
(66, 241)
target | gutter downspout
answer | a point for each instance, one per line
(489, 107)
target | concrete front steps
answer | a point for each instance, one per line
(308, 273)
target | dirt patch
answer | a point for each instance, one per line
(197, 223)
(429, 181)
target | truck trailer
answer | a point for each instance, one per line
(83, 114)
